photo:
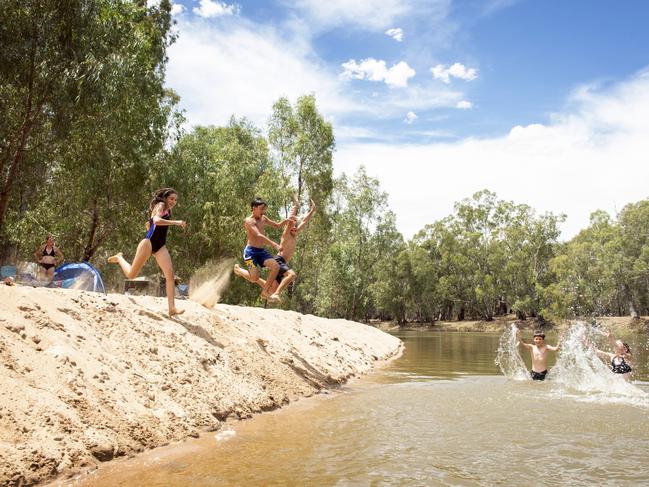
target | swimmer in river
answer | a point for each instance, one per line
(539, 352)
(621, 360)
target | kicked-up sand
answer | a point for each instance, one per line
(88, 377)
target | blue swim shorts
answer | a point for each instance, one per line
(254, 256)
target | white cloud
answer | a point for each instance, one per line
(410, 118)
(366, 14)
(373, 70)
(464, 105)
(242, 69)
(395, 33)
(211, 8)
(457, 70)
(591, 156)
(177, 9)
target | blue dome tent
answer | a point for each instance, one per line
(78, 275)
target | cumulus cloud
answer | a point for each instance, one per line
(590, 156)
(366, 14)
(376, 70)
(464, 105)
(242, 68)
(211, 8)
(177, 9)
(410, 117)
(395, 33)
(457, 70)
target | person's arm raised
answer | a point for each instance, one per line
(520, 340)
(306, 219)
(275, 224)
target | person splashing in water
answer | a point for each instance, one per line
(539, 352)
(154, 243)
(621, 360)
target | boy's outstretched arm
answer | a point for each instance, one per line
(296, 205)
(275, 224)
(558, 345)
(306, 218)
(520, 340)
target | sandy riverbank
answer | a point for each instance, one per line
(87, 377)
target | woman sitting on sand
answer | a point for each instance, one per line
(154, 243)
(621, 359)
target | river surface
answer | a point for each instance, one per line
(442, 414)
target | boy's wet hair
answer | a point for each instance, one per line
(257, 202)
(539, 333)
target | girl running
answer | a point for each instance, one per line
(154, 243)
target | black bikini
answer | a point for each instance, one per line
(158, 233)
(620, 367)
(47, 254)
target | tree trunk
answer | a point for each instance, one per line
(633, 310)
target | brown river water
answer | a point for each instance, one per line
(442, 414)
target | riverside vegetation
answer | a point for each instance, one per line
(89, 130)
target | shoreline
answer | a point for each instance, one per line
(182, 448)
(618, 324)
(96, 377)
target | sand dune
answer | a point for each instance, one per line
(88, 377)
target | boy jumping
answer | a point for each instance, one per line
(288, 243)
(255, 255)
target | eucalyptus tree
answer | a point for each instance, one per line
(83, 82)
(363, 235)
(604, 270)
(490, 256)
(302, 144)
(584, 281)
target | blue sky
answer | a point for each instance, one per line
(535, 100)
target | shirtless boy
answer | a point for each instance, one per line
(255, 255)
(288, 242)
(539, 352)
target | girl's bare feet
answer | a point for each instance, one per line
(176, 311)
(274, 298)
(114, 259)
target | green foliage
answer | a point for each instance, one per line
(363, 238)
(84, 85)
(487, 258)
(89, 131)
(604, 270)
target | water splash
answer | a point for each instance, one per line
(508, 359)
(578, 368)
